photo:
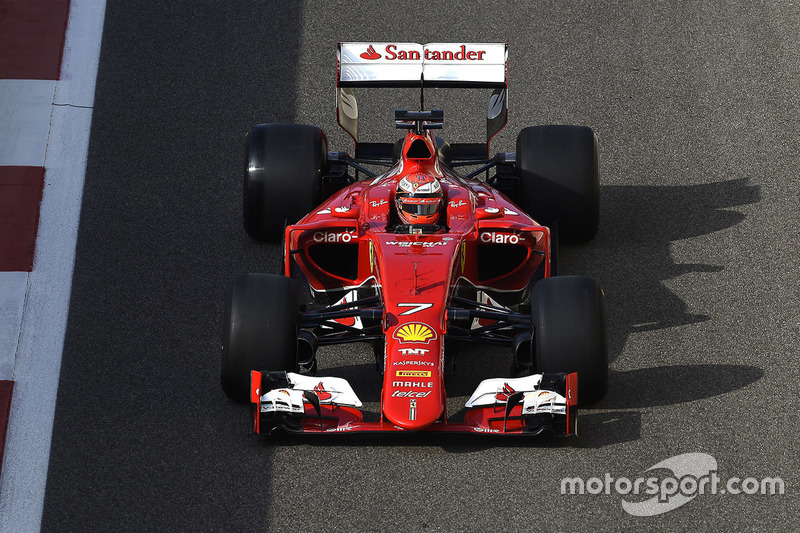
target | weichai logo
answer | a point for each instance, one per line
(371, 53)
(415, 332)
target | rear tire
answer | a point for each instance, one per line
(284, 166)
(557, 171)
(568, 318)
(260, 330)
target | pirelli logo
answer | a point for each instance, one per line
(413, 374)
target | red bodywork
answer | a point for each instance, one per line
(417, 274)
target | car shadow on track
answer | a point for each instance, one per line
(671, 385)
(631, 254)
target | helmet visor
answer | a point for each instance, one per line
(420, 206)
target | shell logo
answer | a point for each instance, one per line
(415, 332)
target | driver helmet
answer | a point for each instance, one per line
(418, 198)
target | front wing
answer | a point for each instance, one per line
(525, 406)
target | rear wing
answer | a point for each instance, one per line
(469, 65)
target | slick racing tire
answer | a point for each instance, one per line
(558, 182)
(260, 330)
(283, 169)
(568, 318)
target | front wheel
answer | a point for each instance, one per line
(283, 169)
(558, 180)
(568, 318)
(260, 330)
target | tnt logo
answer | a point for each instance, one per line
(413, 351)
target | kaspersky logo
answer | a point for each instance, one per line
(371, 53)
(415, 332)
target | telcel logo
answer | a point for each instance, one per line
(330, 236)
(409, 394)
(500, 238)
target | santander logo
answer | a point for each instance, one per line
(426, 53)
(371, 53)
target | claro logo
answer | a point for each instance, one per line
(331, 236)
(500, 238)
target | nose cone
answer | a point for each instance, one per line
(412, 412)
(414, 292)
(413, 390)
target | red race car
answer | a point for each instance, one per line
(418, 260)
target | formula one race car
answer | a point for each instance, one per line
(418, 260)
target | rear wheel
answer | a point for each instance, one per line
(568, 318)
(558, 182)
(284, 166)
(260, 330)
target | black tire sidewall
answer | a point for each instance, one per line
(283, 169)
(558, 178)
(260, 333)
(568, 318)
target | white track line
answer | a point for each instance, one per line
(12, 302)
(25, 121)
(44, 320)
(24, 127)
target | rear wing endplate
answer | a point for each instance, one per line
(468, 65)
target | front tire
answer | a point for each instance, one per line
(558, 180)
(568, 318)
(284, 166)
(260, 330)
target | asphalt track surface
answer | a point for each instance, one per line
(696, 108)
